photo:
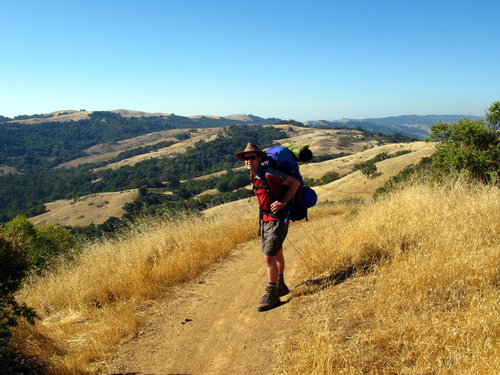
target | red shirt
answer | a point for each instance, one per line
(275, 181)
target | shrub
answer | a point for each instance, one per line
(24, 248)
(222, 186)
(13, 267)
(470, 147)
(53, 241)
(328, 177)
(41, 244)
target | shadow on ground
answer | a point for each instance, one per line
(313, 286)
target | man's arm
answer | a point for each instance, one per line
(293, 185)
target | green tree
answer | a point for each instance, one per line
(493, 115)
(52, 241)
(223, 186)
(20, 232)
(369, 169)
(143, 191)
(238, 180)
(470, 147)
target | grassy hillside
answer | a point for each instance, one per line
(83, 211)
(355, 185)
(72, 115)
(83, 319)
(407, 284)
(86, 210)
(38, 150)
(105, 151)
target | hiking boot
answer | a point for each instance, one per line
(269, 300)
(282, 289)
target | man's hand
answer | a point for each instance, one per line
(276, 206)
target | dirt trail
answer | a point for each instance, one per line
(212, 325)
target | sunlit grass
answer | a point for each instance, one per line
(406, 285)
(88, 306)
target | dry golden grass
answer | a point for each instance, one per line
(346, 164)
(83, 211)
(88, 307)
(406, 285)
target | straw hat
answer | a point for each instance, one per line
(251, 147)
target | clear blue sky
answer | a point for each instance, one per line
(302, 60)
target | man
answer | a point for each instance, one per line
(274, 209)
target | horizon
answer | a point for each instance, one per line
(248, 114)
(290, 60)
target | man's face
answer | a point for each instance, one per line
(251, 160)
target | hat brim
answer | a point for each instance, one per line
(262, 154)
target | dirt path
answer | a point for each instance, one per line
(212, 325)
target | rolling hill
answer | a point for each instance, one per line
(409, 125)
(73, 167)
(97, 208)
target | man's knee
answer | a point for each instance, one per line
(270, 259)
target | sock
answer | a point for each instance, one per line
(271, 285)
(281, 278)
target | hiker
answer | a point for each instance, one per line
(273, 220)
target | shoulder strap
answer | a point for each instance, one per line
(263, 181)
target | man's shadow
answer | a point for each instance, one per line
(313, 286)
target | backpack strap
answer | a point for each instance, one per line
(263, 181)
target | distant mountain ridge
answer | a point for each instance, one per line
(410, 125)
(417, 119)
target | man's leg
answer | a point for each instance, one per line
(273, 268)
(273, 235)
(281, 287)
(280, 259)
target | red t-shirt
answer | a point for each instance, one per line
(275, 181)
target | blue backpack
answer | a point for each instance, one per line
(284, 159)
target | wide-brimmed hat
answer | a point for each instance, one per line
(251, 147)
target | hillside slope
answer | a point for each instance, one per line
(73, 115)
(95, 208)
(407, 285)
(356, 185)
(98, 208)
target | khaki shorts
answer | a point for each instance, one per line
(273, 234)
